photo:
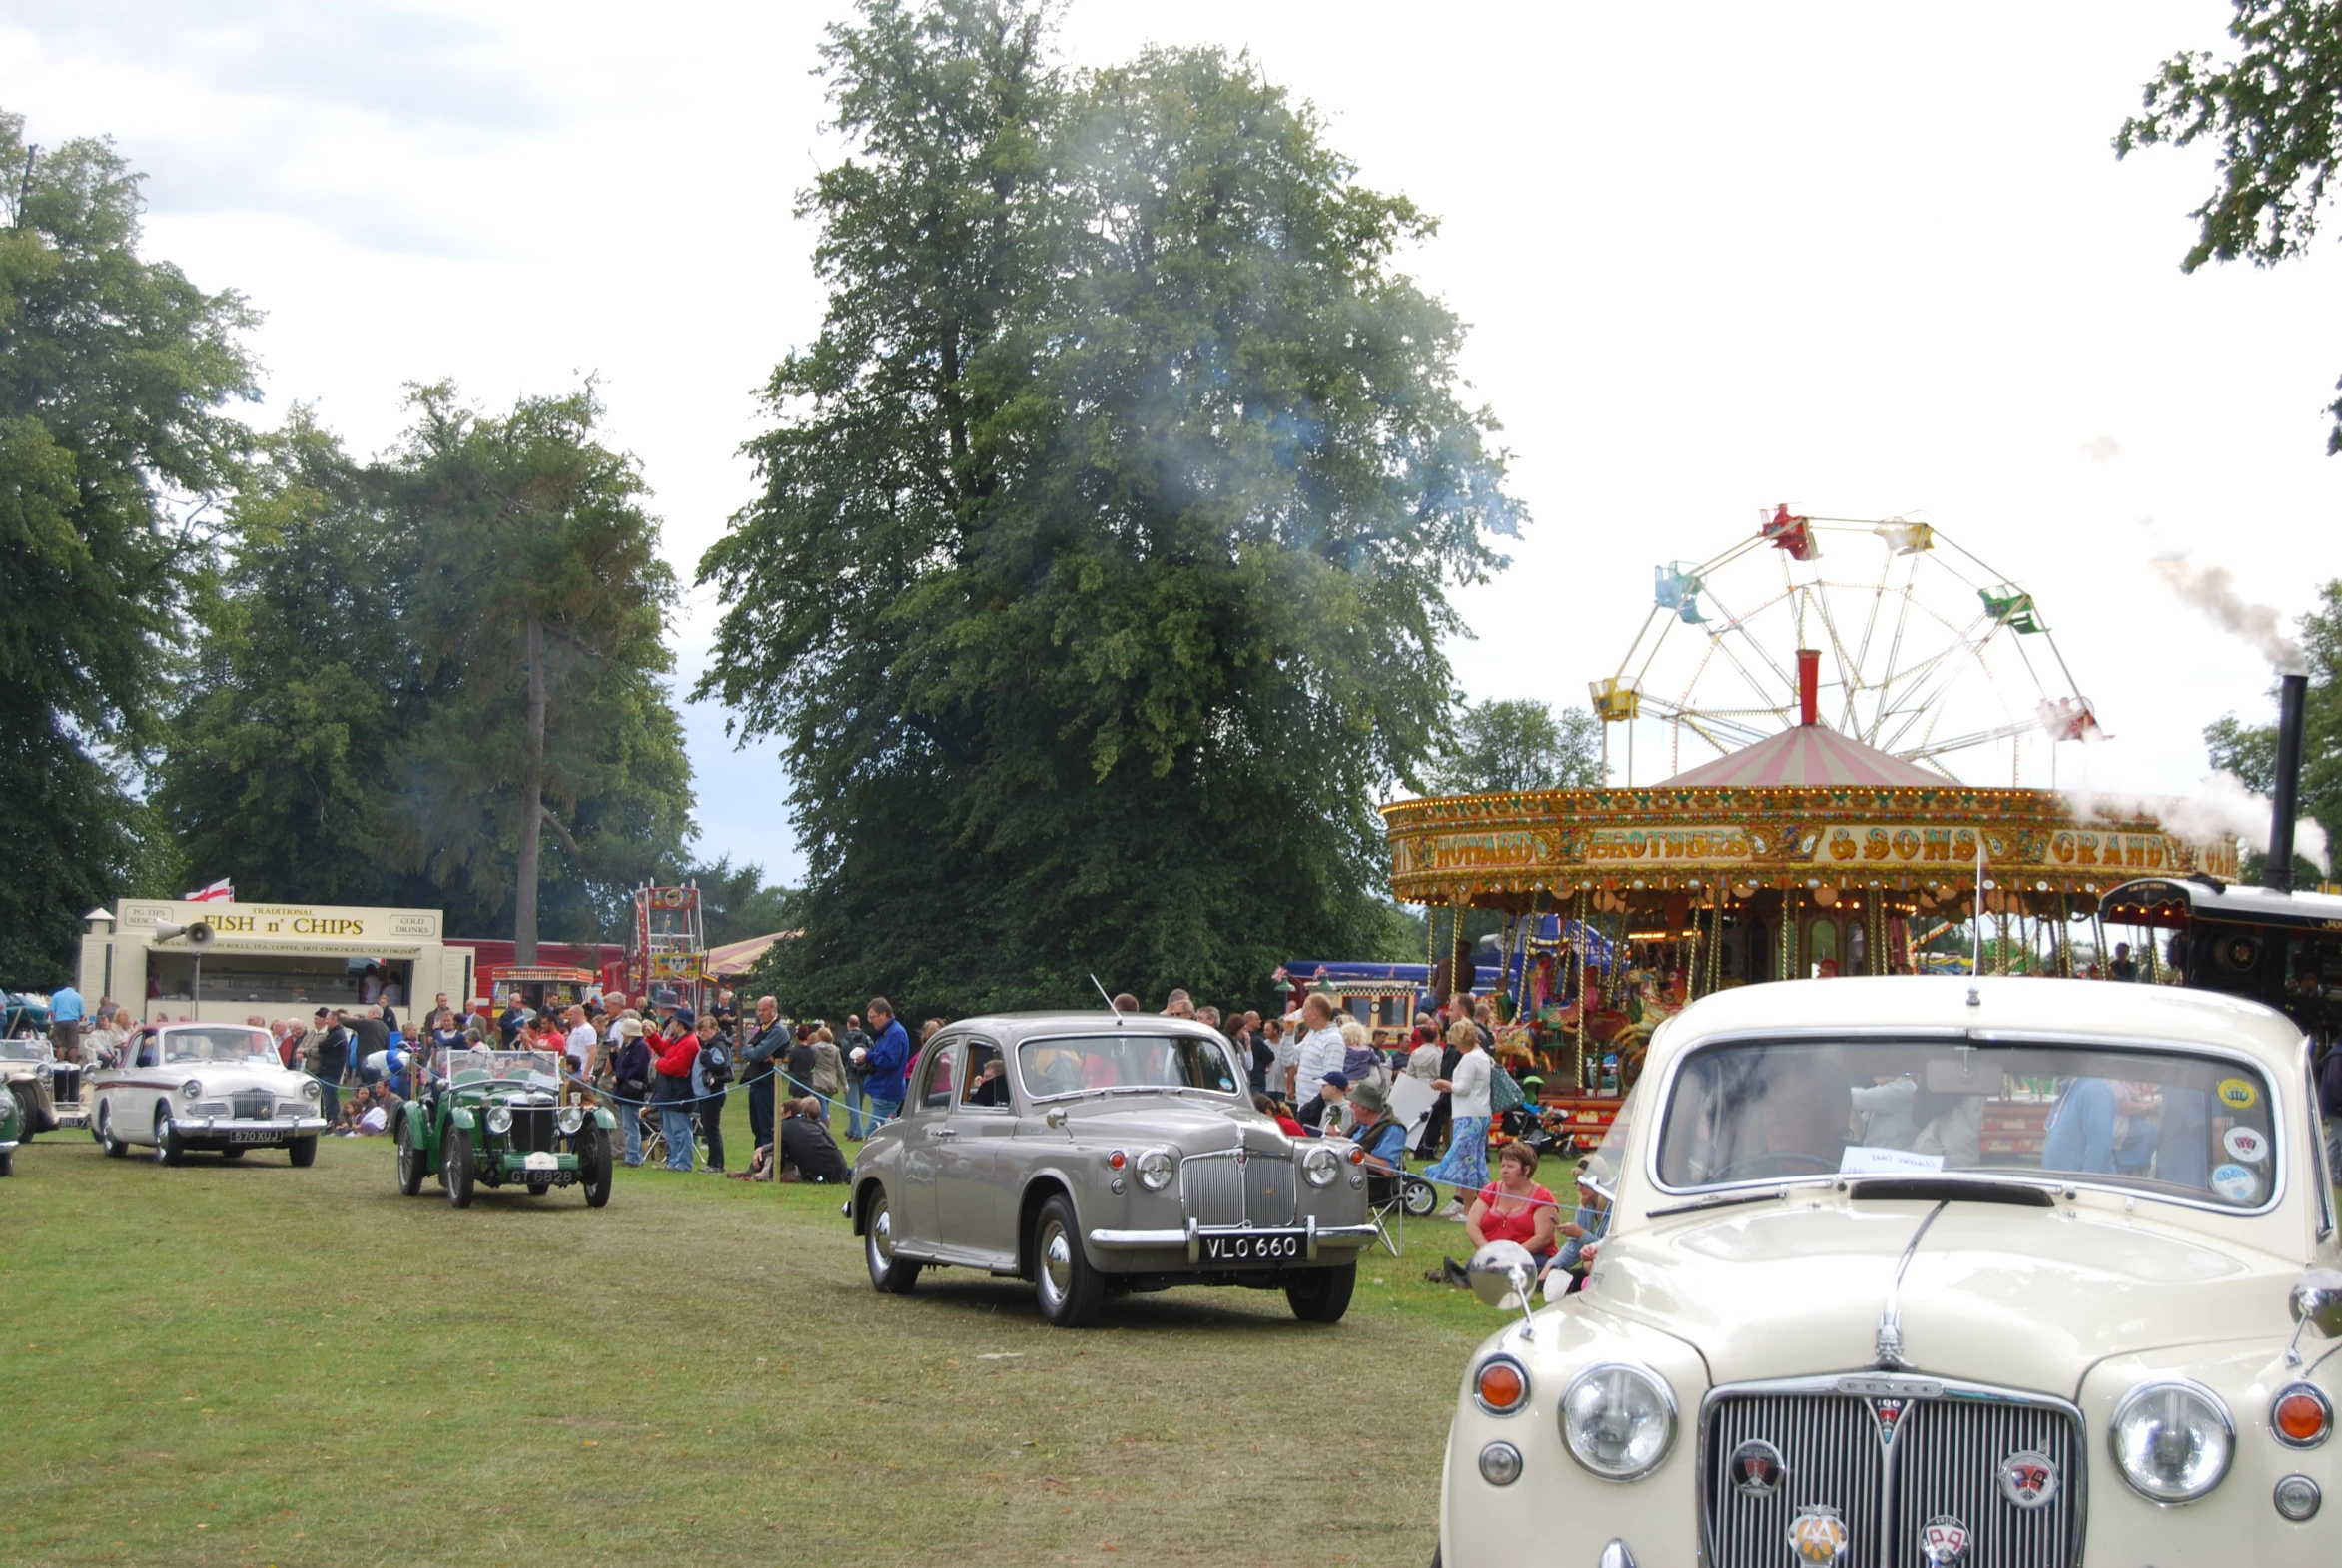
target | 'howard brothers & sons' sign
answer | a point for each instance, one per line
(1497, 850)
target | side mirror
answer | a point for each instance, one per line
(1504, 1275)
(2316, 1303)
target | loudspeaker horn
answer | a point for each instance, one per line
(198, 935)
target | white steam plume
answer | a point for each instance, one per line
(2212, 589)
(2220, 809)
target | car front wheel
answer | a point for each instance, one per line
(1070, 1292)
(888, 1274)
(594, 1167)
(1322, 1294)
(302, 1150)
(456, 1168)
(409, 1160)
(170, 1147)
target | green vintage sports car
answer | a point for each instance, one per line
(488, 1118)
(11, 1129)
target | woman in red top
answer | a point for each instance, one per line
(1514, 1208)
(1285, 1118)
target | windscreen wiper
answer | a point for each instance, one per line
(1727, 1201)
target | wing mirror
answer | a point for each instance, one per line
(1504, 1275)
(2316, 1303)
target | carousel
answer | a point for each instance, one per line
(1825, 830)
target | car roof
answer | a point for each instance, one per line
(1020, 1025)
(2010, 1004)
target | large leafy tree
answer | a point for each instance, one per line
(115, 372)
(2274, 113)
(1520, 744)
(536, 618)
(1099, 578)
(301, 693)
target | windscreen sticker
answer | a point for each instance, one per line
(2246, 1143)
(2236, 1184)
(1867, 1159)
(2239, 1093)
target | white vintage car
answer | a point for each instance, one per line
(1902, 1272)
(218, 1087)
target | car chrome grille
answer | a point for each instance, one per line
(1223, 1192)
(256, 1106)
(1932, 1457)
(65, 1085)
(1952, 1466)
(532, 1129)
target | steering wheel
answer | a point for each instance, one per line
(1778, 1162)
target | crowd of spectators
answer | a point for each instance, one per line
(668, 1069)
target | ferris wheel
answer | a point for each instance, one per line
(1925, 653)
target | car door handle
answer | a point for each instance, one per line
(941, 1132)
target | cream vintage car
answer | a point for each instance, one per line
(1097, 1154)
(216, 1087)
(1901, 1271)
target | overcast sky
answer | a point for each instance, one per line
(1869, 261)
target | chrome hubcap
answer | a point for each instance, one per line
(162, 1136)
(1056, 1262)
(882, 1234)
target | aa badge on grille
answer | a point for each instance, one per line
(1757, 1469)
(2028, 1478)
(1944, 1541)
(1818, 1535)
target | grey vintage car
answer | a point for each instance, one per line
(1095, 1154)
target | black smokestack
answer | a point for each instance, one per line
(2291, 690)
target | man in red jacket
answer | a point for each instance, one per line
(672, 1091)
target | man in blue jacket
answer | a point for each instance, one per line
(889, 1060)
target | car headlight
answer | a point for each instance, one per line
(1156, 1170)
(44, 1070)
(192, 1088)
(572, 1118)
(1322, 1164)
(2173, 1440)
(500, 1120)
(312, 1087)
(1618, 1420)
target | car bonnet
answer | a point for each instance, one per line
(2024, 1298)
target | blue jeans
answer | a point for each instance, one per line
(854, 1099)
(675, 1123)
(881, 1111)
(631, 1118)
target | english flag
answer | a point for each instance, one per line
(221, 889)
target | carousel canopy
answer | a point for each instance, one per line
(1811, 756)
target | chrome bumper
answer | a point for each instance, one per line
(1191, 1240)
(213, 1126)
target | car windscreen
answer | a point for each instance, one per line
(23, 1048)
(484, 1064)
(1070, 1065)
(2169, 1124)
(219, 1042)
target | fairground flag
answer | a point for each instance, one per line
(221, 889)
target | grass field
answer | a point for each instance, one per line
(245, 1363)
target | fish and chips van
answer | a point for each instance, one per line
(227, 960)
